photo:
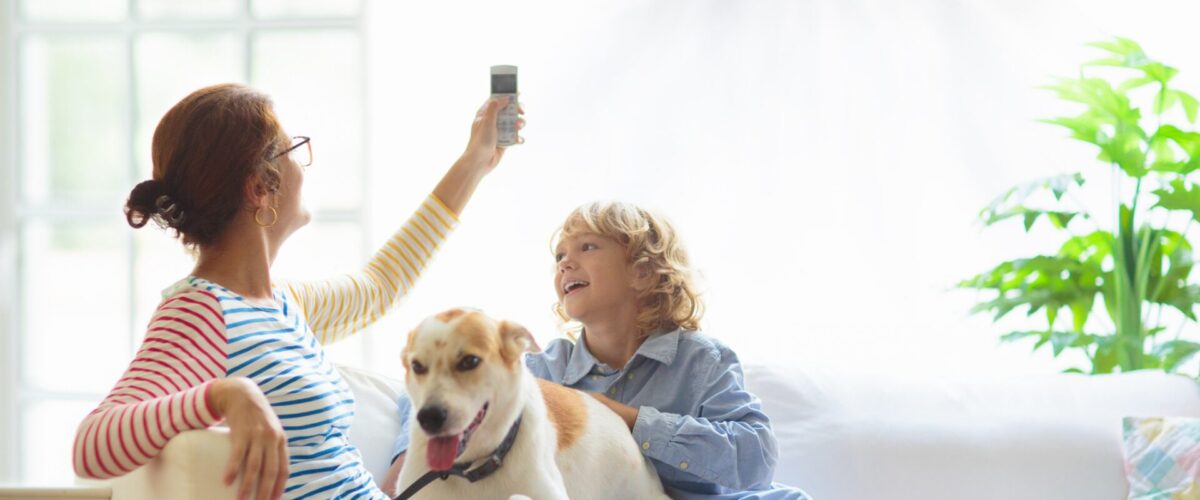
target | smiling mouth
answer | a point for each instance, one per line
(574, 285)
(442, 450)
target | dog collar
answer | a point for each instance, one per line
(489, 466)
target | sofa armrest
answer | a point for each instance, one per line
(188, 468)
(191, 465)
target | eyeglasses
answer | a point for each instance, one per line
(300, 152)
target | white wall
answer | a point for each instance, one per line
(824, 160)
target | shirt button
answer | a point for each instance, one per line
(630, 376)
(683, 466)
(646, 445)
(595, 377)
(613, 391)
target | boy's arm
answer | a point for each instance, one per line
(729, 442)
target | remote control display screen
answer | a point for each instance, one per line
(504, 84)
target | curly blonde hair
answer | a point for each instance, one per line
(651, 243)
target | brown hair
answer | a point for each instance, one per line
(204, 150)
(651, 243)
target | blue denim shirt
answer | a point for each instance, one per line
(703, 431)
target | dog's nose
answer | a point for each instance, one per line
(432, 418)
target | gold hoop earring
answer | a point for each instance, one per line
(274, 217)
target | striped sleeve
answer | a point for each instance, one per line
(337, 308)
(162, 393)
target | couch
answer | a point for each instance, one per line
(842, 436)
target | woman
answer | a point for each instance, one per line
(226, 343)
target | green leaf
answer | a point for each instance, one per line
(1158, 71)
(1030, 217)
(1050, 282)
(1164, 155)
(1062, 340)
(1104, 103)
(1190, 104)
(1015, 336)
(1134, 83)
(1189, 142)
(1011, 203)
(1104, 359)
(1176, 352)
(1125, 149)
(1182, 298)
(1059, 184)
(1080, 311)
(1164, 100)
(1060, 219)
(1180, 196)
(1120, 46)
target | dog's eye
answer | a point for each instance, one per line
(468, 363)
(418, 368)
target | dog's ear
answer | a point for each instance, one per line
(514, 340)
(404, 353)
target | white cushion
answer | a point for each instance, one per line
(376, 421)
(841, 436)
(851, 436)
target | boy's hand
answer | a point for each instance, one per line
(627, 413)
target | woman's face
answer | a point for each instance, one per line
(288, 200)
(593, 277)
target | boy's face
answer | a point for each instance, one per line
(593, 276)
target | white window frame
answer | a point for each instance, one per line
(8, 245)
(15, 212)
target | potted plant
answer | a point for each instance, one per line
(1138, 268)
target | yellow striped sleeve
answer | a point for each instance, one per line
(339, 307)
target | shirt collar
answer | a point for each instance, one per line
(660, 347)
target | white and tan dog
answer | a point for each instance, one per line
(469, 384)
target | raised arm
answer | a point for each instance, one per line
(339, 307)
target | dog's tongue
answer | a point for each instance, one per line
(442, 451)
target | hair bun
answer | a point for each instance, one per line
(168, 210)
(141, 205)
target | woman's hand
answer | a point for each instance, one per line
(259, 444)
(627, 413)
(482, 151)
(481, 156)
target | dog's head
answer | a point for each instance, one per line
(459, 363)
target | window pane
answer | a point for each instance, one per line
(210, 59)
(74, 111)
(49, 432)
(160, 261)
(74, 10)
(75, 279)
(306, 8)
(315, 79)
(179, 9)
(320, 250)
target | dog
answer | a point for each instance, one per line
(474, 399)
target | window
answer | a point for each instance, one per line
(89, 81)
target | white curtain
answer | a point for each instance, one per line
(824, 160)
